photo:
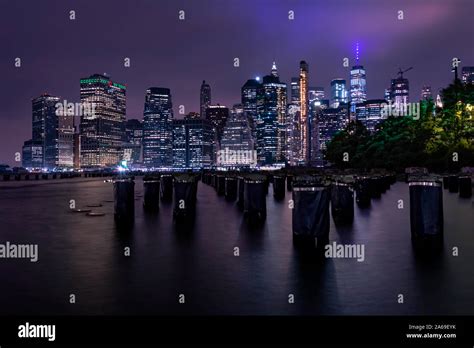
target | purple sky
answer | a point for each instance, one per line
(165, 52)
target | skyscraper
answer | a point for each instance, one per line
(249, 93)
(193, 143)
(271, 122)
(304, 113)
(205, 100)
(338, 92)
(331, 121)
(218, 115)
(132, 146)
(102, 132)
(32, 154)
(399, 90)
(370, 113)
(53, 131)
(158, 128)
(426, 93)
(315, 94)
(358, 82)
(467, 74)
(358, 85)
(237, 145)
(295, 90)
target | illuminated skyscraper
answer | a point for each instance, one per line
(426, 93)
(271, 121)
(52, 143)
(338, 92)
(249, 92)
(217, 115)
(158, 128)
(315, 94)
(295, 90)
(237, 142)
(358, 82)
(399, 91)
(331, 121)
(132, 147)
(370, 113)
(205, 98)
(304, 113)
(467, 74)
(193, 143)
(102, 132)
(387, 95)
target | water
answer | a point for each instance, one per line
(84, 256)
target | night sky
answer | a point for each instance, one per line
(166, 52)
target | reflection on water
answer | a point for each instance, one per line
(85, 256)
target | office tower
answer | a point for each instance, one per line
(293, 133)
(315, 94)
(467, 74)
(237, 145)
(77, 151)
(304, 113)
(102, 131)
(194, 143)
(249, 100)
(387, 95)
(205, 100)
(295, 90)
(158, 128)
(32, 154)
(62, 155)
(399, 91)
(132, 146)
(426, 93)
(218, 115)
(331, 121)
(358, 82)
(52, 129)
(192, 115)
(338, 92)
(274, 70)
(370, 113)
(358, 85)
(271, 121)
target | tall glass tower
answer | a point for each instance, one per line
(271, 122)
(158, 128)
(304, 113)
(358, 82)
(205, 100)
(338, 92)
(249, 100)
(103, 131)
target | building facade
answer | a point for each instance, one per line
(53, 130)
(217, 115)
(102, 132)
(158, 128)
(271, 121)
(205, 98)
(370, 113)
(237, 145)
(194, 142)
(338, 93)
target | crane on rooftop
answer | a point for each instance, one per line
(401, 72)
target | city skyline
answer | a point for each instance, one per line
(197, 58)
